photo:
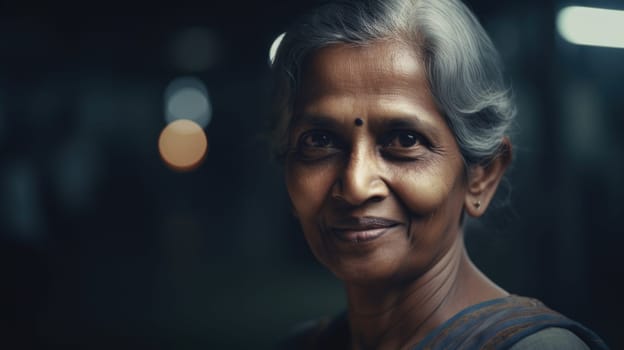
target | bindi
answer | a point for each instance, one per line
(359, 122)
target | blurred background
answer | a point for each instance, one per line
(103, 245)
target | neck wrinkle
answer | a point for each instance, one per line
(407, 312)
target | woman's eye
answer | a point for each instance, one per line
(402, 139)
(316, 145)
(317, 139)
(404, 145)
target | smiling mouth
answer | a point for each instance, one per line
(359, 230)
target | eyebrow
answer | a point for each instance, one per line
(316, 120)
(413, 122)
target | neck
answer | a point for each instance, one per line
(400, 315)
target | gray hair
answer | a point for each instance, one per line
(462, 64)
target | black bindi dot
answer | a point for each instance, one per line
(359, 122)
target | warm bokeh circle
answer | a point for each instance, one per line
(183, 145)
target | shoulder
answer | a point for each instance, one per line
(551, 339)
(529, 324)
(511, 323)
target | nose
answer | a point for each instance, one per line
(361, 179)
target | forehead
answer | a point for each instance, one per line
(378, 80)
(383, 67)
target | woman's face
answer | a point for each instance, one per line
(374, 173)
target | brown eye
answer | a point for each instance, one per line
(317, 145)
(407, 140)
(402, 139)
(317, 139)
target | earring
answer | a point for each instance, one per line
(477, 204)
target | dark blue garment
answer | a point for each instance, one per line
(496, 324)
(500, 323)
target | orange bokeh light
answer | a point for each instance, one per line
(183, 145)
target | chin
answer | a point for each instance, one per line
(364, 270)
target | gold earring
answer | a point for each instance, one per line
(477, 204)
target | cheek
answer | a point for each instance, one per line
(425, 191)
(308, 186)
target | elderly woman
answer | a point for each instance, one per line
(392, 126)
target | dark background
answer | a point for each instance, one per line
(103, 246)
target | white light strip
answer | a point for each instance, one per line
(591, 26)
(274, 47)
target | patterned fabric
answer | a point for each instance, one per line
(494, 325)
(500, 323)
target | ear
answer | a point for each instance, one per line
(483, 181)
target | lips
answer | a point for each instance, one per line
(361, 229)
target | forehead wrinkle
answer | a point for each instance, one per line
(394, 102)
(380, 60)
(331, 105)
(407, 106)
(326, 111)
